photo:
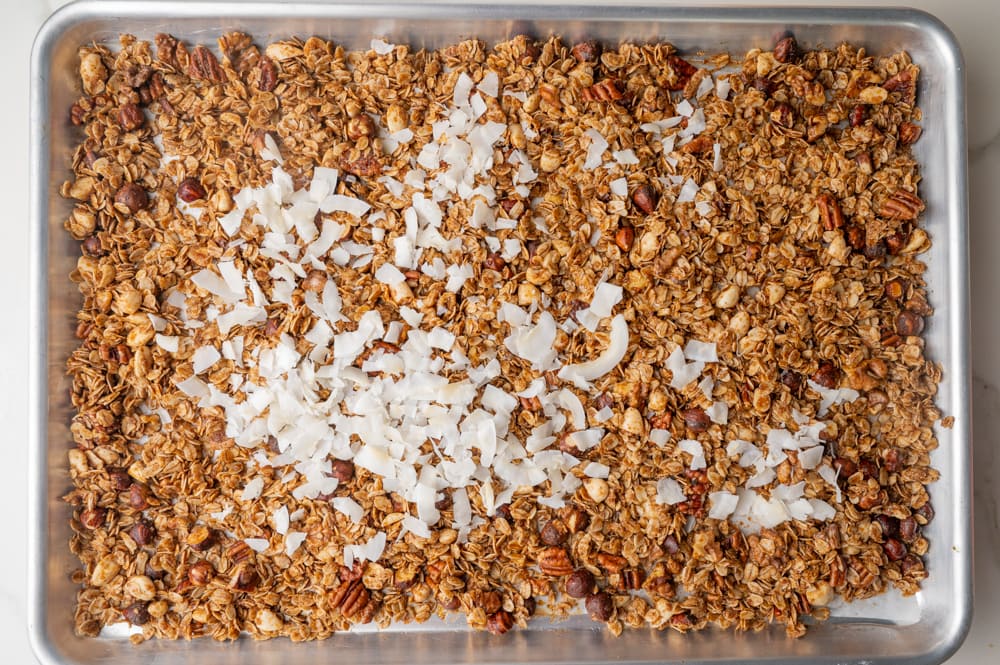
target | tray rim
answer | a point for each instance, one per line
(956, 207)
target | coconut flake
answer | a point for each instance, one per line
(595, 151)
(717, 159)
(293, 540)
(669, 492)
(281, 520)
(829, 474)
(204, 357)
(490, 85)
(349, 507)
(810, 458)
(688, 191)
(168, 343)
(718, 413)
(258, 545)
(723, 504)
(659, 437)
(596, 470)
(253, 489)
(704, 86)
(382, 47)
(625, 157)
(695, 450)
(722, 87)
(581, 373)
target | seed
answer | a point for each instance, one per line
(360, 125)
(342, 470)
(696, 419)
(787, 50)
(495, 262)
(314, 281)
(600, 606)
(624, 238)
(645, 198)
(93, 518)
(827, 375)
(580, 583)
(554, 532)
(894, 549)
(130, 117)
(499, 622)
(908, 529)
(587, 51)
(201, 573)
(132, 196)
(137, 613)
(190, 190)
(143, 532)
(909, 323)
(858, 115)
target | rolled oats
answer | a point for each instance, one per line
(771, 211)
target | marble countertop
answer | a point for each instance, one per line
(975, 23)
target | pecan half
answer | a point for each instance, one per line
(268, 74)
(204, 65)
(830, 212)
(555, 561)
(607, 90)
(611, 562)
(349, 598)
(902, 205)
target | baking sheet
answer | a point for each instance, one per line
(922, 628)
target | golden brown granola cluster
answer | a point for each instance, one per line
(794, 249)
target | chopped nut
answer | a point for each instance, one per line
(624, 238)
(596, 488)
(554, 532)
(696, 419)
(140, 587)
(645, 199)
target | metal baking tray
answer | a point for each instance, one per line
(926, 628)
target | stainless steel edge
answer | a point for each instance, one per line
(518, 648)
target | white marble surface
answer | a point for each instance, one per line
(974, 22)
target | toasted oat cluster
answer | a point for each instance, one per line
(494, 332)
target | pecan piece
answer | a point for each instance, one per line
(555, 561)
(268, 74)
(787, 50)
(645, 198)
(499, 622)
(204, 65)
(682, 70)
(830, 212)
(902, 205)
(611, 562)
(364, 166)
(607, 90)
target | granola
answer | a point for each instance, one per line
(385, 335)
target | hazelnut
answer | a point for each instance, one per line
(132, 197)
(500, 622)
(596, 488)
(93, 518)
(909, 323)
(587, 51)
(190, 190)
(576, 519)
(894, 289)
(342, 470)
(909, 133)
(894, 549)
(791, 380)
(314, 281)
(245, 578)
(495, 262)
(120, 480)
(201, 573)
(137, 497)
(600, 606)
(201, 538)
(104, 571)
(360, 125)
(889, 526)
(130, 117)
(908, 529)
(268, 621)
(580, 583)
(137, 613)
(92, 247)
(827, 375)
(787, 50)
(140, 587)
(696, 419)
(554, 532)
(143, 532)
